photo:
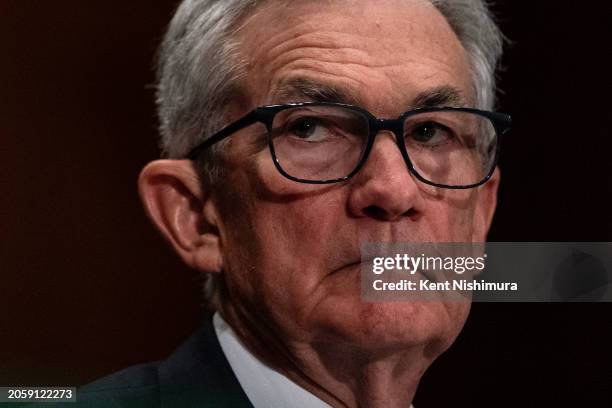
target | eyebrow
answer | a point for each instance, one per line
(300, 90)
(439, 97)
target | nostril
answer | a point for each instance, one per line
(411, 213)
(381, 214)
(376, 212)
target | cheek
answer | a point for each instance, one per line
(276, 232)
(291, 225)
(451, 218)
(276, 266)
(298, 238)
(282, 243)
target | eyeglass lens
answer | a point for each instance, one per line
(318, 143)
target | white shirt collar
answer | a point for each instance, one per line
(265, 387)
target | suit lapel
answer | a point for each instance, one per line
(197, 375)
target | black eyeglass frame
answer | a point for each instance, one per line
(265, 114)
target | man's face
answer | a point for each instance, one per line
(291, 251)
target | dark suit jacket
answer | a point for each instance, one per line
(196, 375)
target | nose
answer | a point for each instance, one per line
(384, 189)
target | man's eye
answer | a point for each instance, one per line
(307, 128)
(430, 133)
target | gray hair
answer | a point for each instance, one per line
(200, 68)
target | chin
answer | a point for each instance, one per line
(392, 325)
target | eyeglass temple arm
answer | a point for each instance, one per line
(503, 122)
(227, 131)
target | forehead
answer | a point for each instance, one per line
(383, 53)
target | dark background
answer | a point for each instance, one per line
(87, 287)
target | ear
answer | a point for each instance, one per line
(176, 203)
(485, 207)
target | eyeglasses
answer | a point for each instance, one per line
(322, 143)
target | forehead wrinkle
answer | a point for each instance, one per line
(348, 14)
(294, 64)
(349, 54)
(306, 57)
(334, 46)
(321, 40)
(290, 62)
(365, 27)
(402, 87)
(309, 55)
(353, 46)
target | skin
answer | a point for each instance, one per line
(289, 252)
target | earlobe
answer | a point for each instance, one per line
(485, 210)
(176, 203)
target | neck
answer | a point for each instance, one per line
(340, 374)
(347, 377)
